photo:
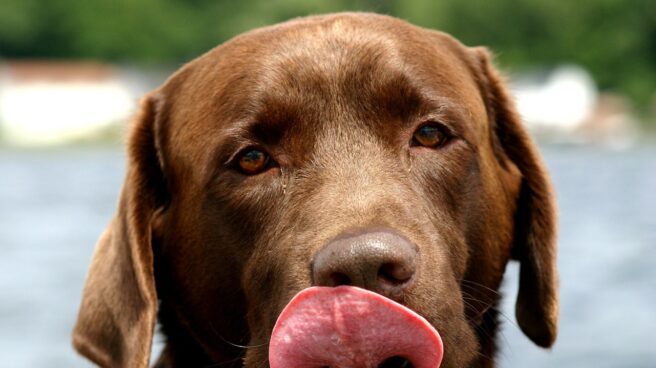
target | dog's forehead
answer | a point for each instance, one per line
(342, 55)
(316, 68)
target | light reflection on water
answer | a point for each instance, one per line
(55, 203)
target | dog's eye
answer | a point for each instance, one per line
(253, 161)
(430, 135)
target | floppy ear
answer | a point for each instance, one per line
(534, 242)
(118, 311)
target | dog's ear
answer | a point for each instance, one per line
(119, 304)
(534, 242)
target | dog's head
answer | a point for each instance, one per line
(348, 149)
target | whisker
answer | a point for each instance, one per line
(242, 346)
(469, 298)
(473, 283)
(217, 334)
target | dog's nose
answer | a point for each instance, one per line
(381, 261)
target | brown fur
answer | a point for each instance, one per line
(335, 100)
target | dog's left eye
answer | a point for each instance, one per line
(430, 135)
(253, 161)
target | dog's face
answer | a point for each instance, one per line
(312, 153)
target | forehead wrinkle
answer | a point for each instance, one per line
(246, 132)
(446, 110)
(325, 53)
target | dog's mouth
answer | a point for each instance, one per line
(350, 327)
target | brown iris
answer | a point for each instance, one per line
(430, 135)
(253, 161)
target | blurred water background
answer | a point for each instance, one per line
(54, 203)
(583, 74)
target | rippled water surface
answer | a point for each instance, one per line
(55, 203)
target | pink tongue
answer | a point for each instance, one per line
(349, 327)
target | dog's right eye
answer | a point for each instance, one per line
(252, 161)
(431, 135)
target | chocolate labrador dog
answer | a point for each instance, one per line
(352, 152)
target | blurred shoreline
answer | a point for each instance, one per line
(50, 103)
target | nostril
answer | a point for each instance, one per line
(337, 279)
(395, 273)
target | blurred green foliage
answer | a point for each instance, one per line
(614, 39)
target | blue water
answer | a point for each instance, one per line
(55, 203)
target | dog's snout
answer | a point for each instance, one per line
(381, 261)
